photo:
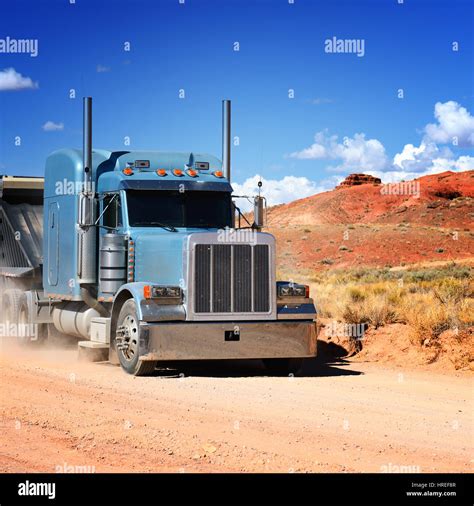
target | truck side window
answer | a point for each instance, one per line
(113, 215)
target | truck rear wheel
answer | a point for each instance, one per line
(127, 341)
(283, 366)
(15, 313)
(29, 333)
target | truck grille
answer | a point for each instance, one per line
(232, 278)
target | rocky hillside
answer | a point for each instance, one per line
(365, 223)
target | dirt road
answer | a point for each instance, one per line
(58, 415)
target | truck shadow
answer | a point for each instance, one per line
(329, 362)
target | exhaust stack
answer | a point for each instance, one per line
(87, 232)
(87, 240)
(87, 142)
(226, 140)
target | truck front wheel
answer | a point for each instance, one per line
(127, 341)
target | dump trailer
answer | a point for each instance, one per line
(137, 255)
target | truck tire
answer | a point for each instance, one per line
(29, 335)
(283, 366)
(11, 305)
(127, 339)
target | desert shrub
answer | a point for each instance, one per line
(328, 299)
(429, 300)
(356, 294)
(327, 261)
(380, 311)
(354, 314)
(396, 295)
(451, 270)
(465, 312)
(374, 309)
(452, 291)
(427, 319)
(379, 288)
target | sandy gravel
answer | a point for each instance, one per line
(58, 414)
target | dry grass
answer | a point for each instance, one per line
(429, 300)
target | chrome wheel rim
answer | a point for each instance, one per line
(127, 338)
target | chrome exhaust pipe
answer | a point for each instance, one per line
(87, 140)
(87, 232)
(87, 238)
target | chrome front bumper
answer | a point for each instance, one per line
(228, 340)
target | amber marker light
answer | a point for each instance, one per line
(128, 171)
(218, 173)
(192, 173)
(147, 292)
(178, 172)
(161, 172)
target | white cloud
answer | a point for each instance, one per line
(11, 80)
(454, 121)
(460, 164)
(455, 125)
(281, 191)
(355, 153)
(409, 154)
(51, 126)
(419, 159)
(358, 154)
(436, 166)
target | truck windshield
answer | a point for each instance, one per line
(171, 208)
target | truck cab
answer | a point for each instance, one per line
(143, 261)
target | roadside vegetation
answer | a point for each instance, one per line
(429, 300)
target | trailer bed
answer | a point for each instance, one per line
(21, 225)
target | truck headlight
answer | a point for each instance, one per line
(285, 289)
(162, 292)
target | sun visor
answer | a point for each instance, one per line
(137, 184)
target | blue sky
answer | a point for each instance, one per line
(191, 47)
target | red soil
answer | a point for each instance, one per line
(375, 225)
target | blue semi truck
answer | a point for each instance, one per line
(137, 255)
